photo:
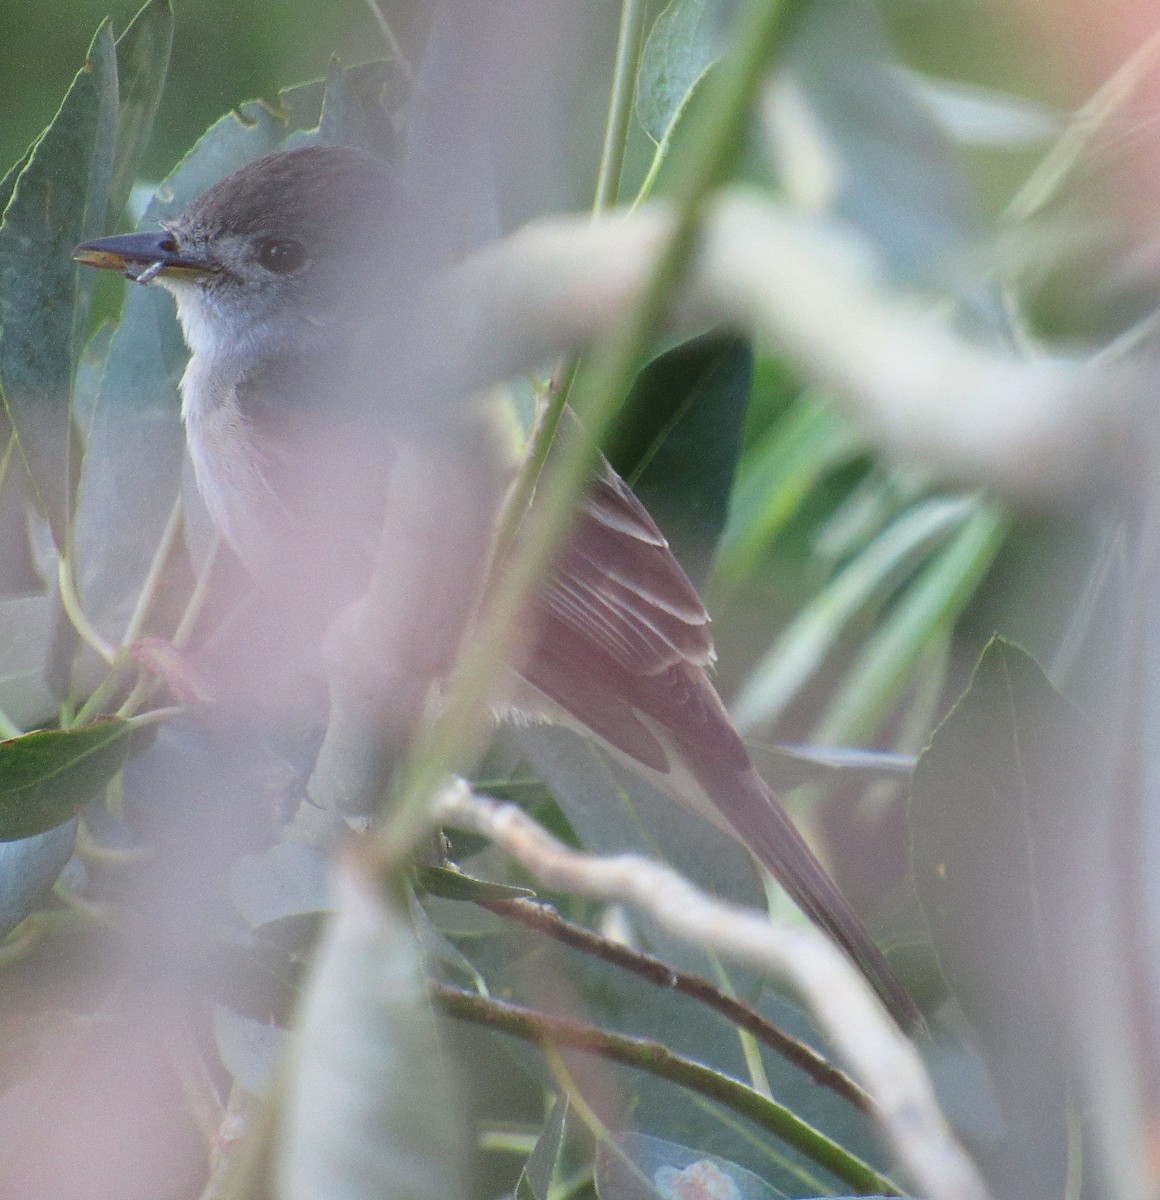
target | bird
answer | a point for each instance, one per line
(271, 269)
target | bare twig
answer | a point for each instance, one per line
(843, 1005)
(545, 919)
(650, 1056)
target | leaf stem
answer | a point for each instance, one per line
(629, 39)
(73, 608)
(655, 1059)
(393, 44)
(153, 578)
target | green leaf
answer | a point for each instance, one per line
(682, 45)
(932, 602)
(18, 573)
(678, 438)
(370, 1107)
(454, 885)
(134, 440)
(777, 476)
(801, 649)
(142, 62)
(28, 868)
(45, 777)
(26, 631)
(891, 170)
(60, 198)
(535, 1180)
(997, 814)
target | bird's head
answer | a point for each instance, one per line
(286, 243)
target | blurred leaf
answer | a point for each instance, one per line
(370, 1107)
(801, 649)
(60, 199)
(142, 62)
(678, 437)
(135, 444)
(788, 767)
(454, 885)
(891, 169)
(979, 116)
(535, 1180)
(287, 880)
(777, 476)
(249, 1049)
(45, 777)
(933, 601)
(26, 631)
(993, 815)
(682, 45)
(28, 869)
(356, 108)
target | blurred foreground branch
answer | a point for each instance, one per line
(878, 1054)
(1031, 426)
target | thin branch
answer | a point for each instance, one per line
(628, 43)
(545, 919)
(658, 1060)
(393, 45)
(843, 1005)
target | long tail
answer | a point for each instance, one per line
(716, 757)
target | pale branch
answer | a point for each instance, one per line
(842, 1003)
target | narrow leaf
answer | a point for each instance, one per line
(535, 1180)
(135, 445)
(454, 885)
(45, 777)
(142, 61)
(801, 649)
(60, 198)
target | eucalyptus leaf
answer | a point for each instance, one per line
(142, 62)
(678, 438)
(371, 1108)
(46, 776)
(60, 198)
(535, 1181)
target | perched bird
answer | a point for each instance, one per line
(273, 270)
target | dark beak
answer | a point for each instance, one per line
(140, 256)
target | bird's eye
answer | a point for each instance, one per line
(281, 255)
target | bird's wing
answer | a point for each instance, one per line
(622, 646)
